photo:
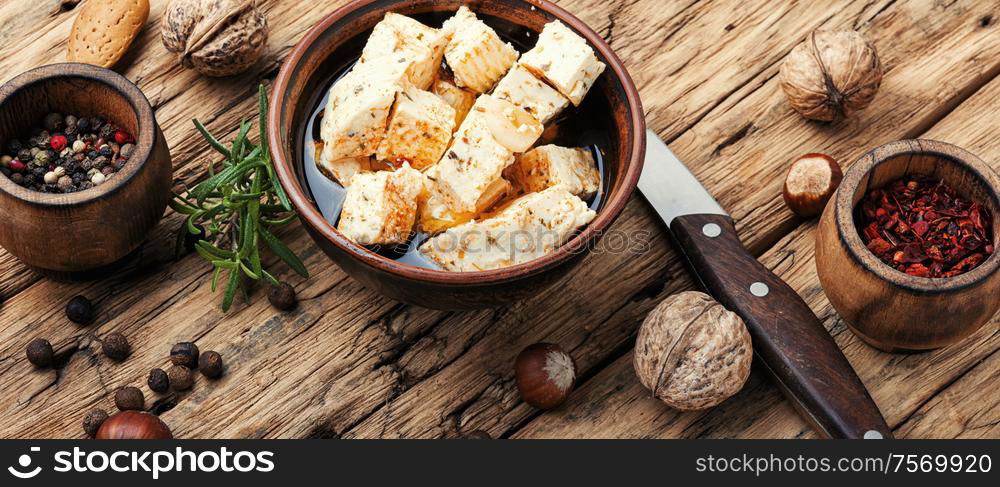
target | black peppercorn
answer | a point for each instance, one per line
(282, 296)
(158, 381)
(106, 151)
(129, 399)
(116, 346)
(184, 353)
(181, 378)
(40, 352)
(83, 125)
(93, 420)
(80, 311)
(210, 364)
(54, 122)
(14, 146)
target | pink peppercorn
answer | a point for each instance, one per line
(58, 142)
(122, 137)
(16, 166)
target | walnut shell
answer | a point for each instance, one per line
(692, 353)
(831, 75)
(215, 37)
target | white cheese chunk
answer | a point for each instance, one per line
(457, 97)
(530, 227)
(344, 170)
(380, 207)
(565, 60)
(473, 162)
(355, 116)
(546, 166)
(434, 215)
(475, 52)
(406, 44)
(419, 130)
(523, 89)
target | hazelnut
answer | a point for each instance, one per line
(282, 296)
(210, 364)
(692, 353)
(831, 75)
(158, 381)
(79, 310)
(129, 399)
(545, 375)
(134, 425)
(810, 183)
(116, 346)
(184, 353)
(181, 378)
(93, 420)
(40, 352)
(215, 37)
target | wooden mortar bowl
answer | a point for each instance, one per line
(340, 37)
(75, 235)
(891, 310)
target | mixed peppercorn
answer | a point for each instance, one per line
(921, 226)
(67, 154)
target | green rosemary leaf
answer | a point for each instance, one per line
(269, 278)
(262, 113)
(236, 154)
(226, 264)
(234, 282)
(282, 251)
(249, 272)
(278, 190)
(180, 206)
(211, 139)
(279, 221)
(215, 277)
(190, 222)
(214, 252)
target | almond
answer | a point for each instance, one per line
(104, 29)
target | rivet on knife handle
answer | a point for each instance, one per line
(788, 338)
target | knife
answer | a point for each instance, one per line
(788, 339)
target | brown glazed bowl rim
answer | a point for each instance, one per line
(610, 210)
(144, 139)
(851, 237)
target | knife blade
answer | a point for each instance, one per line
(788, 338)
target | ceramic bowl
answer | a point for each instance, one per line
(337, 41)
(77, 235)
(889, 309)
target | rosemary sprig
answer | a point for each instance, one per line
(236, 208)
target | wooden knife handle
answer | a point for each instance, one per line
(787, 337)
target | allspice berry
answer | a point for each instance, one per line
(181, 378)
(158, 381)
(692, 352)
(184, 353)
(40, 352)
(116, 346)
(79, 310)
(129, 399)
(93, 420)
(282, 296)
(210, 364)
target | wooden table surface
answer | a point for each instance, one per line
(350, 363)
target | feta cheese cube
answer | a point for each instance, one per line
(380, 207)
(530, 227)
(355, 116)
(419, 131)
(523, 89)
(435, 216)
(411, 46)
(546, 166)
(458, 98)
(344, 170)
(565, 60)
(473, 162)
(475, 52)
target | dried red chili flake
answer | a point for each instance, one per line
(921, 226)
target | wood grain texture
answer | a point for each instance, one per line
(349, 362)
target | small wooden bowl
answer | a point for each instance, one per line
(338, 39)
(891, 310)
(70, 236)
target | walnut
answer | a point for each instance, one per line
(215, 37)
(692, 353)
(831, 75)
